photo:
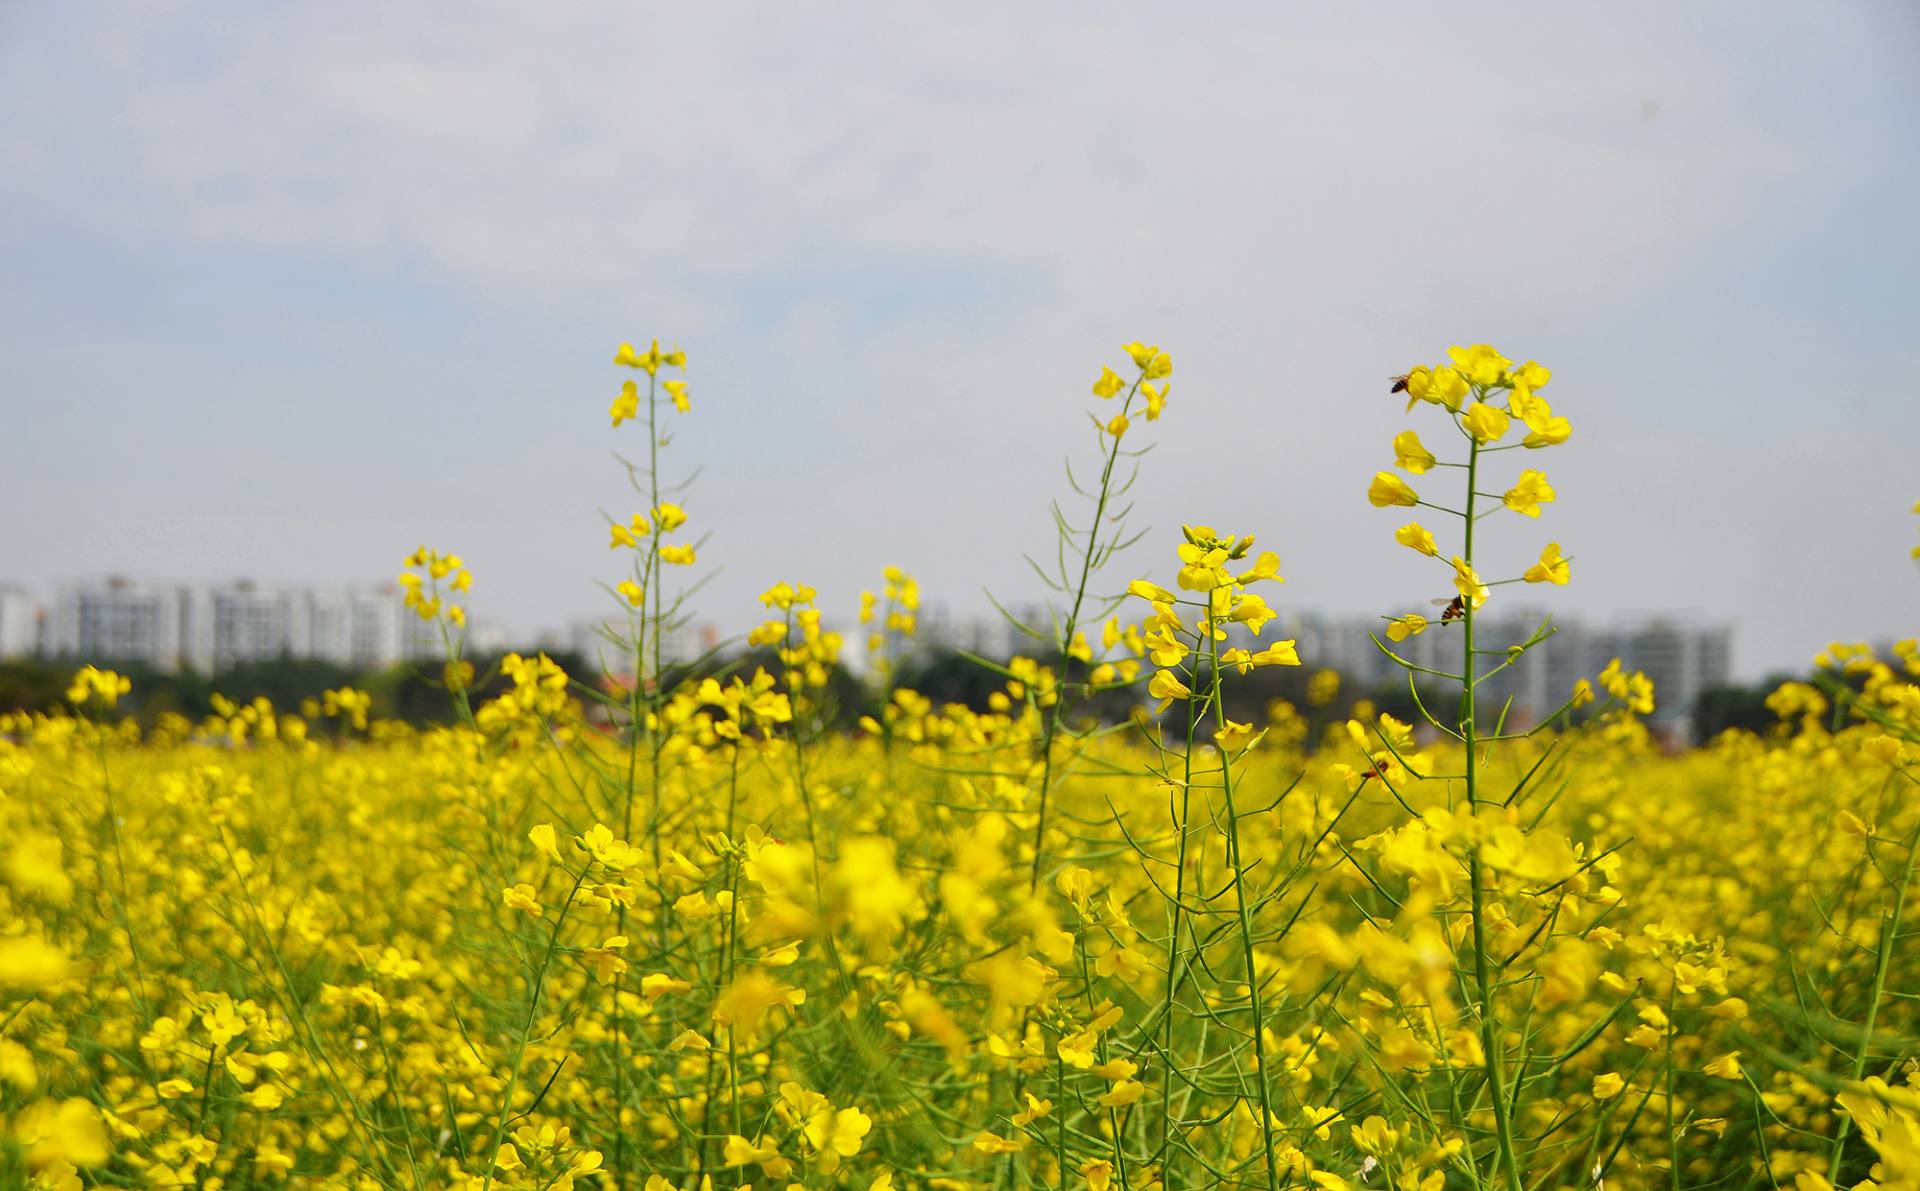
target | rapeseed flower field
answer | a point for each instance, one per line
(660, 928)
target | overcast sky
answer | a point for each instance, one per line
(289, 289)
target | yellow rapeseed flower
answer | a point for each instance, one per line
(1409, 455)
(1388, 489)
(1414, 536)
(1485, 423)
(1529, 493)
(1551, 568)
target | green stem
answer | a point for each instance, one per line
(1174, 923)
(1050, 728)
(1673, 1132)
(462, 701)
(1889, 933)
(723, 977)
(1244, 914)
(638, 704)
(340, 1091)
(526, 1029)
(1483, 980)
(121, 904)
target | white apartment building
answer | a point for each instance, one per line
(118, 620)
(363, 629)
(210, 629)
(227, 627)
(19, 624)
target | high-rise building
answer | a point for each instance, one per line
(19, 624)
(118, 620)
(249, 624)
(361, 628)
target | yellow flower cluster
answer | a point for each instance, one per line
(1483, 393)
(626, 406)
(421, 585)
(93, 685)
(1152, 366)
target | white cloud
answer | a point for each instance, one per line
(565, 145)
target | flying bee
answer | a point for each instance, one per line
(1399, 383)
(1456, 609)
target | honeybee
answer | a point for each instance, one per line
(1456, 609)
(1399, 383)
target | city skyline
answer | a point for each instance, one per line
(980, 629)
(939, 620)
(209, 629)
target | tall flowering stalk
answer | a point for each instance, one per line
(642, 590)
(1049, 693)
(649, 618)
(1217, 572)
(891, 617)
(1482, 394)
(430, 583)
(1081, 554)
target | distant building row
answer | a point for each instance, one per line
(1683, 659)
(210, 629)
